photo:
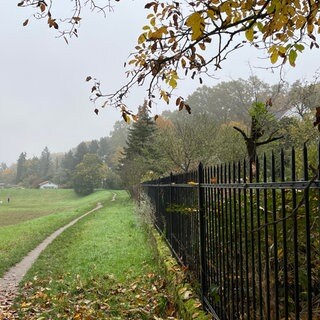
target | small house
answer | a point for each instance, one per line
(48, 185)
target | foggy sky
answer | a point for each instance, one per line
(44, 98)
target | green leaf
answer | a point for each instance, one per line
(292, 57)
(299, 47)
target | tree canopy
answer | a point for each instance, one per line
(189, 39)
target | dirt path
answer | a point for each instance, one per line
(10, 282)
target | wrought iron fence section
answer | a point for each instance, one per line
(248, 233)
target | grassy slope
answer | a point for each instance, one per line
(53, 208)
(101, 268)
(93, 241)
(28, 204)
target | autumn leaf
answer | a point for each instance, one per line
(249, 34)
(165, 96)
(126, 117)
(173, 83)
(158, 33)
(76, 19)
(188, 108)
(196, 22)
(142, 38)
(274, 57)
(52, 23)
(42, 7)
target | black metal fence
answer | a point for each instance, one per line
(249, 234)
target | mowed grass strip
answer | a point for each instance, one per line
(104, 267)
(28, 204)
(16, 240)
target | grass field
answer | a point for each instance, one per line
(32, 215)
(104, 267)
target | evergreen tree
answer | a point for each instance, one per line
(104, 147)
(68, 161)
(68, 165)
(93, 147)
(21, 167)
(139, 152)
(45, 164)
(81, 150)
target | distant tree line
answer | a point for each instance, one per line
(89, 165)
(224, 120)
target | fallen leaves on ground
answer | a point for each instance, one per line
(72, 297)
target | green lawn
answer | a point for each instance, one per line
(104, 267)
(32, 215)
(28, 204)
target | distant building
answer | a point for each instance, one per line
(48, 185)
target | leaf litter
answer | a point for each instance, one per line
(71, 297)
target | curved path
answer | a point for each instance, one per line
(10, 282)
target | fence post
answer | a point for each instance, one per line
(202, 231)
(171, 212)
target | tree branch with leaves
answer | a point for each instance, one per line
(191, 39)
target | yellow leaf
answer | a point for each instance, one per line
(158, 33)
(249, 34)
(310, 28)
(173, 83)
(226, 7)
(142, 38)
(164, 96)
(196, 22)
(301, 20)
(211, 14)
(153, 21)
(126, 117)
(172, 79)
(183, 63)
(274, 57)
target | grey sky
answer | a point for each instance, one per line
(44, 99)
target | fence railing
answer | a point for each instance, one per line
(249, 234)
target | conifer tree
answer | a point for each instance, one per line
(139, 153)
(21, 167)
